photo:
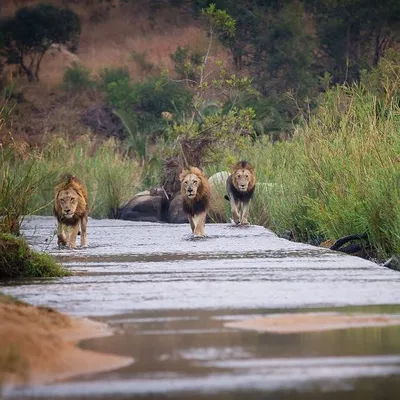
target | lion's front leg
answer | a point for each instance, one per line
(61, 237)
(73, 235)
(199, 222)
(245, 213)
(84, 230)
(235, 210)
(192, 225)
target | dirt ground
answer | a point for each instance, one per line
(39, 345)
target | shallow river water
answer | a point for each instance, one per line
(170, 295)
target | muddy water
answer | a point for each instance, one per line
(169, 296)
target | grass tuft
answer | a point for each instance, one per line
(17, 260)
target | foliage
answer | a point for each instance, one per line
(33, 30)
(156, 95)
(290, 46)
(17, 260)
(18, 186)
(340, 174)
(116, 74)
(140, 106)
(77, 77)
(355, 34)
(109, 174)
(186, 63)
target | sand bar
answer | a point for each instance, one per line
(313, 322)
(39, 345)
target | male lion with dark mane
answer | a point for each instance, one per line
(71, 210)
(195, 191)
(240, 186)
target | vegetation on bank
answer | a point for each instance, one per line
(17, 260)
(20, 181)
(339, 175)
(337, 107)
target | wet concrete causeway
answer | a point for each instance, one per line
(169, 297)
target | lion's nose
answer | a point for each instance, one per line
(190, 190)
(67, 211)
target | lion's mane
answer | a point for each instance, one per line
(201, 201)
(69, 181)
(233, 185)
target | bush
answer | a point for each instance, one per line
(77, 77)
(120, 95)
(186, 63)
(110, 75)
(17, 260)
(156, 95)
(20, 182)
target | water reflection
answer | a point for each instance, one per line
(169, 298)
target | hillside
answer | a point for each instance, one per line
(136, 36)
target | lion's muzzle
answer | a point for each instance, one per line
(68, 214)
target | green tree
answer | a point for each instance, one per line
(33, 30)
(355, 34)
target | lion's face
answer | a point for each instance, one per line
(242, 178)
(68, 201)
(190, 185)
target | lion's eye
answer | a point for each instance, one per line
(62, 201)
(73, 199)
(195, 182)
(247, 176)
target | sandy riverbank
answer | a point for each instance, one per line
(39, 345)
(312, 322)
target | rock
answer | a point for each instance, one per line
(218, 205)
(175, 211)
(144, 207)
(102, 120)
(393, 262)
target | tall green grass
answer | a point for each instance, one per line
(339, 175)
(109, 174)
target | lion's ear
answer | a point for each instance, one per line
(183, 174)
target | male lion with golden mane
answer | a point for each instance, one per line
(195, 191)
(71, 210)
(240, 186)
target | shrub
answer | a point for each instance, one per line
(20, 182)
(186, 63)
(17, 260)
(77, 77)
(110, 75)
(156, 95)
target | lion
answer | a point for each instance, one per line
(71, 210)
(240, 186)
(195, 191)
